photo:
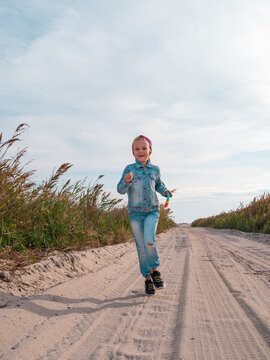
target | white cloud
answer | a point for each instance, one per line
(192, 76)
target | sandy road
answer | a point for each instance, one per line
(216, 305)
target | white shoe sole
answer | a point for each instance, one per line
(161, 287)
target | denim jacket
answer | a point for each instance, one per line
(142, 189)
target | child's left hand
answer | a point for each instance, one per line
(165, 194)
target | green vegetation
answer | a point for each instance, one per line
(254, 217)
(36, 219)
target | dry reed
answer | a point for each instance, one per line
(38, 218)
(254, 217)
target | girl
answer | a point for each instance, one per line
(140, 181)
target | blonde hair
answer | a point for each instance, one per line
(142, 137)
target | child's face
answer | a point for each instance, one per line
(141, 151)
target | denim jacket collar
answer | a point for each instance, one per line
(140, 165)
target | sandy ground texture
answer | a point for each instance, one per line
(91, 305)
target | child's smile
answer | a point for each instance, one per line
(141, 151)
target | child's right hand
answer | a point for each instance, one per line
(128, 177)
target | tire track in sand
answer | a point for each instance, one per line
(152, 329)
(259, 324)
(200, 314)
(217, 323)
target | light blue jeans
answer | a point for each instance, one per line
(144, 227)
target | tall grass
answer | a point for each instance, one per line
(254, 217)
(38, 218)
(165, 221)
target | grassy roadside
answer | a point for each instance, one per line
(36, 219)
(254, 217)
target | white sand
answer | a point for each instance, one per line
(91, 304)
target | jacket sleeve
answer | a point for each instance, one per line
(160, 186)
(123, 186)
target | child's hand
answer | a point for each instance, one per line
(167, 192)
(128, 177)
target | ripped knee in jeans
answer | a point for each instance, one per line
(149, 244)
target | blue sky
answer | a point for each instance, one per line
(193, 76)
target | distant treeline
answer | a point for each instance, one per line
(254, 217)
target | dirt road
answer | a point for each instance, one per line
(216, 305)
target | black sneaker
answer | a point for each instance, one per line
(149, 287)
(158, 282)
